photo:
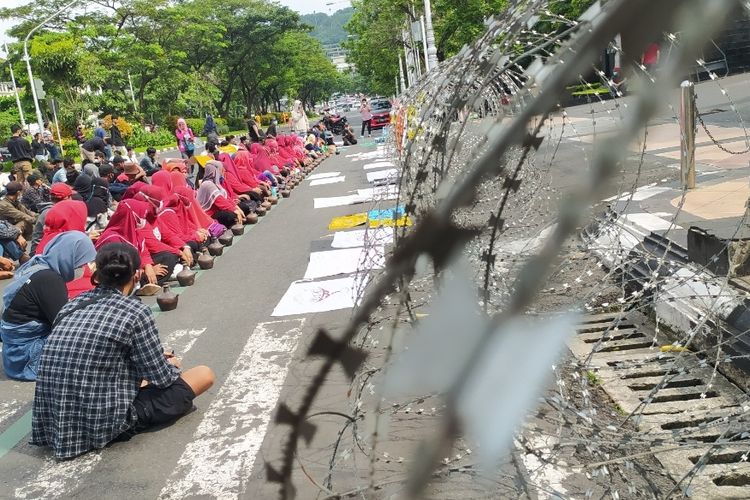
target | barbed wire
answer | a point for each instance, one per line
(457, 170)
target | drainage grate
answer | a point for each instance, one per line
(669, 393)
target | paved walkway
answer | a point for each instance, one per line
(232, 321)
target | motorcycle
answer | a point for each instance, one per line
(335, 123)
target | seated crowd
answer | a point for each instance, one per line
(81, 241)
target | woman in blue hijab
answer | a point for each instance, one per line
(35, 296)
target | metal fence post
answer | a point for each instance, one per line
(687, 134)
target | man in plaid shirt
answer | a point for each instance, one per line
(103, 375)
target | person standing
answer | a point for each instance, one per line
(21, 153)
(79, 135)
(365, 111)
(300, 123)
(185, 139)
(210, 130)
(118, 145)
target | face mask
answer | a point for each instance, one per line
(139, 223)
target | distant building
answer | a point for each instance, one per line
(6, 89)
(337, 54)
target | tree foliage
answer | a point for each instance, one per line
(187, 57)
(377, 29)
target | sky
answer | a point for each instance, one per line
(302, 6)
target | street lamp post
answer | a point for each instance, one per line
(15, 90)
(39, 120)
(431, 49)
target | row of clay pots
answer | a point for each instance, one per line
(168, 300)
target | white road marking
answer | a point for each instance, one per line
(8, 409)
(650, 222)
(223, 449)
(328, 180)
(379, 164)
(315, 177)
(380, 175)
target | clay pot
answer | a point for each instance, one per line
(186, 277)
(167, 299)
(226, 239)
(260, 211)
(252, 218)
(285, 193)
(215, 248)
(238, 229)
(205, 261)
(274, 200)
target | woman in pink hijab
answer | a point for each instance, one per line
(185, 139)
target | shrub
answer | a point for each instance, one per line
(196, 124)
(170, 122)
(235, 123)
(143, 139)
(221, 126)
(126, 129)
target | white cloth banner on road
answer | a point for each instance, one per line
(327, 180)
(305, 297)
(382, 175)
(363, 237)
(315, 177)
(337, 201)
(379, 164)
(345, 261)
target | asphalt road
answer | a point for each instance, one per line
(224, 322)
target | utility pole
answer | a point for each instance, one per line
(132, 94)
(424, 45)
(431, 49)
(15, 90)
(39, 120)
(401, 72)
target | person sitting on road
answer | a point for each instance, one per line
(36, 194)
(89, 148)
(131, 173)
(33, 299)
(71, 172)
(348, 136)
(215, 200)
(13, 211)
(131, 384)
(148, 163)
(59, 192)
(163, 237)
(13, 247)
(128, 225)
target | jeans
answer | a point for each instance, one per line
(368, 125)
(11, 249)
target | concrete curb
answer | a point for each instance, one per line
(685, 296)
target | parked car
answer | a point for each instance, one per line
(381, 113)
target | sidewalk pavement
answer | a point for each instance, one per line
(645, 234)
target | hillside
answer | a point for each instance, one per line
(329, 29)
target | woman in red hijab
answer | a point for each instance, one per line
(126, 226)
(68, 215)
(165, 234)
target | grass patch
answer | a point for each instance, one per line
(593, 378)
